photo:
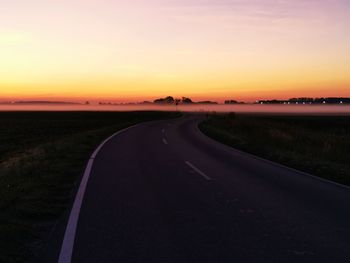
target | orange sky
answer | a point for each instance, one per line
(205, 49)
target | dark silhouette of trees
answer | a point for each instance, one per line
(305, 100)
(166, 100)
(171, 100)
(186, 100)
(231, 102)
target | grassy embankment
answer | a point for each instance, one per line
(42, 156)
(319, 145)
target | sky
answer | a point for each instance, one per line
(128, 50)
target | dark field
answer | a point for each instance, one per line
(319, 145)
(42, 156)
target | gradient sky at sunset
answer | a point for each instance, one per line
(206, 49)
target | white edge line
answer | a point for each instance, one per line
(165, 141)
(69, 236)
(246, 154)
(206, 177)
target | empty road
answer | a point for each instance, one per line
(164, 192)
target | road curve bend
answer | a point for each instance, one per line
(164, 192)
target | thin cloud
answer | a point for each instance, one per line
(261, 9)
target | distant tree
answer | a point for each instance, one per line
(169, 100)
(306, 100)
(231, 102)
(166, 100)
(186, 100)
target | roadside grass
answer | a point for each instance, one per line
(43, 155)
(319, 145)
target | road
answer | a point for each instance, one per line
(164, 192)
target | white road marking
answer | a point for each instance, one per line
(165, 141)
(206, 177)
(69, 235)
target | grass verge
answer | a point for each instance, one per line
(42, 155)
(319, 145)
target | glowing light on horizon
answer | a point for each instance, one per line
(214, 49)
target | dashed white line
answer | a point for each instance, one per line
(206, 177)
(165, 141)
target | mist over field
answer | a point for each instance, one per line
(246, 108)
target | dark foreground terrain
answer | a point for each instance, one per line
(319, 145)
(42, 156)
(162, 191)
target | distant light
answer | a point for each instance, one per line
(297, 103)
(261, 102)
(284, 102)
(341, 102)
(324, 102)
(304, 103)
(288, 102)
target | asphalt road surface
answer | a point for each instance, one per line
(164, 192)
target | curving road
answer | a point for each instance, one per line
(164, 192)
